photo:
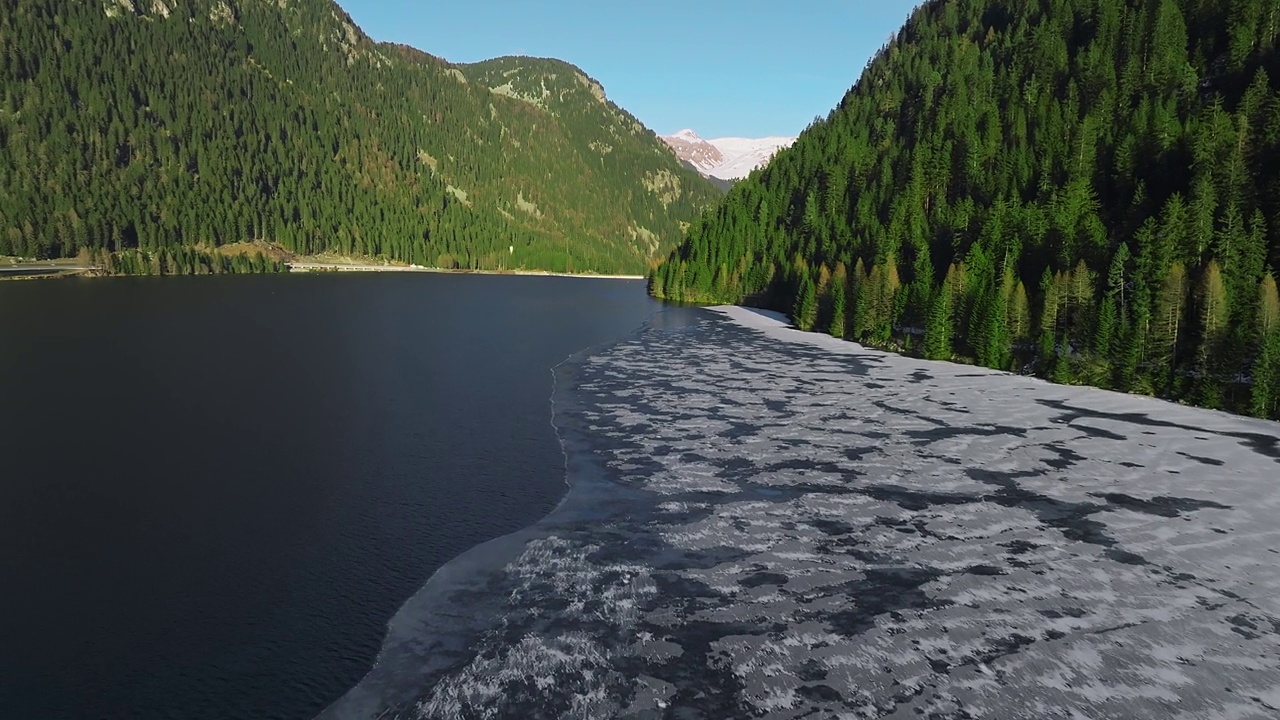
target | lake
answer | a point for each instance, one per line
(344, 497)
(217, 491)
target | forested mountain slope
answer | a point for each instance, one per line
(1090, 188)
(163, 124)
(607, 142)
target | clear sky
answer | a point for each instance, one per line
(745, 68)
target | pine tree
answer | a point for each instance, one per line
(1110, 321)
(889, 307)
(858, 295)
(1105, 331)
(1048, 323)
(1167, 322)
(1019, 314)
(938, 328)
(806, 304)
(657, 282)
(838, 294)
(1265, 399)
(1213, 316)
(822, 290)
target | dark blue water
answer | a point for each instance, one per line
(215, 492)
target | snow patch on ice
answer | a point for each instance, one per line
(765, 521)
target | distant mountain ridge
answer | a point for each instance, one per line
(729, 158)
(152, 127)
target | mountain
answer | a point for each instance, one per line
(1085, 189)
(162, 128)
(725, 158)
(724, 185)
(694, 150)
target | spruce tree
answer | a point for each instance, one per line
(806, 304)
(1167, 323)
(839, 300)
(1265, 398)
(1213, 314)
(937, 329)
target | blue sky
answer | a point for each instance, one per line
(747, 68)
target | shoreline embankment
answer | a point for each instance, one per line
(304, 267)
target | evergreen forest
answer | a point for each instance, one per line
(152, 135)
(1088, 190)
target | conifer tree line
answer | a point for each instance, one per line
(180, 261)
(1084, 189)
(131, 127)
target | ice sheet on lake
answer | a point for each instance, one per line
(775, 524)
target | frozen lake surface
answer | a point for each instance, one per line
(767, 523)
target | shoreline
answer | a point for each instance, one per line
(51, 270)
(307, 267)
(745, 531)
(426, 634)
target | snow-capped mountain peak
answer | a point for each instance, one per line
(725, 158)
(694, 150)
